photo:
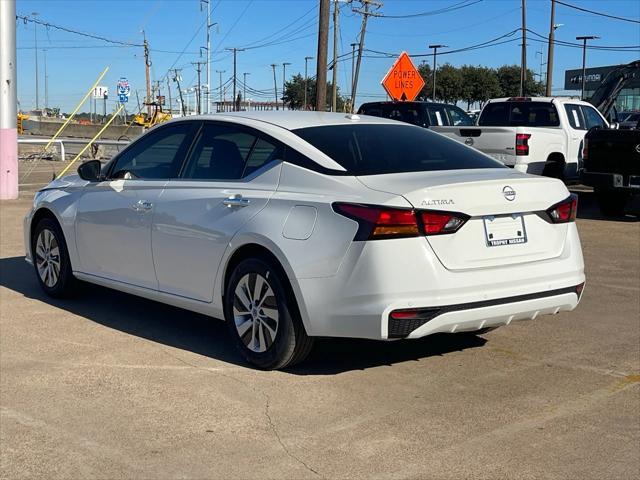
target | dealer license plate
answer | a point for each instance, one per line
(505, 230)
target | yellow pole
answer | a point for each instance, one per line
(92, 140)
(84, 99)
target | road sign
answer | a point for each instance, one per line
(124, 89)
(100, 92)
(403, 81)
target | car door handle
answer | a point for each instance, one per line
(236, 201)
(142, 206)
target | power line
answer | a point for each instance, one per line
(624, 19)
(614, 48)
(264, 39)
(26, 19)
(451, 8)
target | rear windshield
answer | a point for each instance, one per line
(519, 114)
(377, 149)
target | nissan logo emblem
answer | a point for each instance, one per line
(468, 141)
(509, 193)
(638, 148)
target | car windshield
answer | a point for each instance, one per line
(519, 114)
(373, 149)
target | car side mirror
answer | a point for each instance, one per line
(90, 171)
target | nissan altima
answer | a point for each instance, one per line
(298, 225)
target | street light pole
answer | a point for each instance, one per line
(35, 37)
(306, 79)
(435, 66)
(244, 84)
(275, 83)
(284, 79)
(584, 59)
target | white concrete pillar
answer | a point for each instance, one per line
(8, 102)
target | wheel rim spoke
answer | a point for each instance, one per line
(255, 312)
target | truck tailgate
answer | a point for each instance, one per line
(497, 142)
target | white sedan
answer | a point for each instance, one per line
(297, 225)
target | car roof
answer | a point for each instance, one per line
(539, 99)
(414, 102)
(291, 119)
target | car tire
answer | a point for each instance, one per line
(262, 316)
(612, 203)
(51, 259)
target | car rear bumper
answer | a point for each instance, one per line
(610, 181)
(378, 277)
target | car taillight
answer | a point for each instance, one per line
(522, 143)
(564, 211)
(438, 223)
(585, 149)
(377, 222)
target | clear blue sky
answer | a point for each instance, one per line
(171, 24)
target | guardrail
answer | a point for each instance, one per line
(75, 141)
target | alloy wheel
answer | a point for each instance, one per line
(48, 257)
(255, 312)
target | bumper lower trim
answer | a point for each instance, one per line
(398, 328)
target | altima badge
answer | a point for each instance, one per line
(509, 193)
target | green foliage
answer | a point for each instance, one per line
(473, 84)
(294, 94)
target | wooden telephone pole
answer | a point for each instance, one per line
(321, 65)
(147, 65)
(366, 13)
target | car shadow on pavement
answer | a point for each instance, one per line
(206, 336)
(588, 208)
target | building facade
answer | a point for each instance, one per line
(629, 97)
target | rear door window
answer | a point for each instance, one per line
(404, 112)
(574, 114)
(437, 115)
(457, 117)
(592, 117)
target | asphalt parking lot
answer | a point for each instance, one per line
(109, 385)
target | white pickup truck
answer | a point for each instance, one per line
(538, 135)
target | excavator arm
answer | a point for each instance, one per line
(604, 98)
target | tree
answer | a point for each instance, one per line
(509, 78)
(448, 84)
(427, 75)
(294, 94)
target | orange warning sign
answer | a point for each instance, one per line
(403, 81)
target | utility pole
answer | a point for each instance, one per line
(46, 81)
(176, 78)
(35, 38)
(353, 63)
(584, 60)
(208, 48)
(435, 66)
(321, 63)
(275, 83)
(8, 102)
(147, 64)
(334, 76)
(523, 61)
(244, 84)
(197, 94)
(221, 102)
(235, 51)
(306, 80)
(365, 16)
(284, 80)
(552, 31)
(169, 93)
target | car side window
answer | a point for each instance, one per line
(458, 117)
(574, 114)
(437, 116)
(220, 153)
(157, 155)
(262, 153)
(592, 118)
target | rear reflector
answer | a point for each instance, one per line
(564, 211)
(522, 143)
(377, 222)
(585, 150)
